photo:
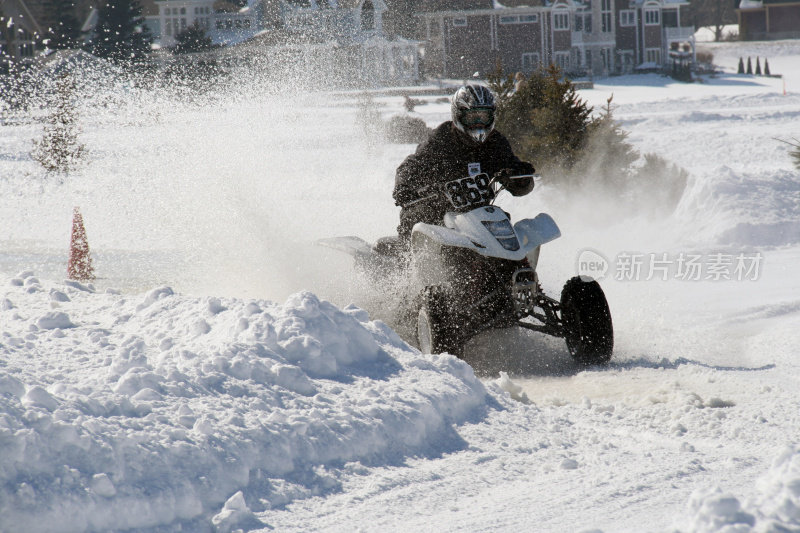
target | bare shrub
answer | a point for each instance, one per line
(406, 129)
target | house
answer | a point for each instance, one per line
(594, 37)
(769, 19)
(345, 33)
(20, 32)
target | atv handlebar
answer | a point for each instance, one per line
(487, 190)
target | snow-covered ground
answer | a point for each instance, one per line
(215, 377)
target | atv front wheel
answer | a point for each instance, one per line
(437, 329)
(587, 322)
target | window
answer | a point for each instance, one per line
(434, 29)
(368, 16)
(562, 60)
(627, 17)
(578, 23)
(183, 11)
(167, 11)
(460, 22)
(519, 19)
(605, 53)
(652, 16)
(587, 23)
(530, 61)
(653, 55)
(606, 16)
(561, 21)
(589, 58)
(168, 28)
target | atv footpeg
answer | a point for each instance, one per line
(524, 291)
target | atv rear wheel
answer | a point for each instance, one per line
(587, 322)
(437, 329)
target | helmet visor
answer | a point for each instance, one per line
(477, 118)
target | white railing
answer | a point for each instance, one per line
(678, 34)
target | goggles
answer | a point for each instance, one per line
(477, 118)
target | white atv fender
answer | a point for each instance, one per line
(488, 232)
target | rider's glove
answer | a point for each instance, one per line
(503, 175)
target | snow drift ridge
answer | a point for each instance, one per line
(159, 409)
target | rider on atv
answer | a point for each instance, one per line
(467, 145)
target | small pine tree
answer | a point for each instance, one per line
(749, 66)
(64, 28)
(766, 68)
(59, 150)
(120, 34)
(607, 156)
(758, 66)
(740, 70)
(79, 266)
(192, 39)
(794, 153)
(544, 119)
(659, 183)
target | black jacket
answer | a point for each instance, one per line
(448, 155)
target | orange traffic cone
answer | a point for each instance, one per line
(79, 267)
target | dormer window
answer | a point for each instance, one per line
(368, 16)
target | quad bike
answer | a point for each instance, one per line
(476, 271)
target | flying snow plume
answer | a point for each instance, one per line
(214, 185)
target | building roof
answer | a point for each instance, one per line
(759, 4)
(22, 14)
(341, 4)
(500, 4)
(455, 5)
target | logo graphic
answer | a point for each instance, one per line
(591, 264)
(474, 169)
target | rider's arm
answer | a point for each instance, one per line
(412, 179)
(509, 160)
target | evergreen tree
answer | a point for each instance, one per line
(749, 66)
(766, 68)
(543, 118)
(794, 153)
(607, 156)
(59, 150)
(120, 34)
(741, 66)
(758, 66)
(64, 29)
(192, 39)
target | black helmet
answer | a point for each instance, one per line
(473, 111)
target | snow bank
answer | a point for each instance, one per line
(122, 412)
(775, 507)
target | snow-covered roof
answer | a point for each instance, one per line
(751, 4)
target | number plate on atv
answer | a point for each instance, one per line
(471, 191)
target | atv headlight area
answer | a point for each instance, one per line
(504, 233)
